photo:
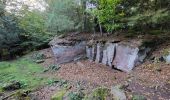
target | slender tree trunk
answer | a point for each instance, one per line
(101, 31)
(94, 25)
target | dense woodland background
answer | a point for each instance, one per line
(23, 30)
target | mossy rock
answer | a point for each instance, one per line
(59, 95)
(166, 52)
(99, 94)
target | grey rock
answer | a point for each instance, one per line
(94, 51)
(111, 53)
(118, 93)
(99, 54)
(65, 54)
(125, 57)
(89, 52)
(167, 59)
(105, 57)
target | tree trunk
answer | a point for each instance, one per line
(101, 31)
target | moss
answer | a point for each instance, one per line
(98, 94)
(24, 71)
(166, 52)
(59, 95)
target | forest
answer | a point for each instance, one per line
(84, 49)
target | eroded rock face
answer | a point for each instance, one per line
(125, 57)
(99, 53)
(111, 50)
(65, 54)
(104, 59)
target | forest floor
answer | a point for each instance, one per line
(150, 79)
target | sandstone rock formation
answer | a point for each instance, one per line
(123, 55)
(68, 50)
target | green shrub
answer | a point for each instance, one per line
(76, 95)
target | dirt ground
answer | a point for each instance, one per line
(151, 79)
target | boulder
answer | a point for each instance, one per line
(111, 53)
(118, 93)
(99, 54)
(104, 59)
(94, 51)
(89, 52)
(167, 59)
(122, 55)
(65, 54)
(108, 53)
(125, 57)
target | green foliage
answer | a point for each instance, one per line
(52, 68)
(98, 94)
(108, 14)
(76, 95)
(32, 23)
(22, 31)
(138, 15)
(34, 32)
(63, 15)
(8, 31)
(38, 56)
(23, 70)
(59, 95)
(145, 15)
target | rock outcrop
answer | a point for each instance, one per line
(68, 50)
(123, 55)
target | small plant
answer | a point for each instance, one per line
(52, 81)
(63, 83)
(76, 95)
(39, 56)
(59, 95)
(99, 94)
(52, 68)
(138, 97)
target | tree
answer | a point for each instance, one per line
(9, 30)
(34, 32)
(108, 14)
(63, 16)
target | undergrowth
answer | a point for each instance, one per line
(23, 70)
